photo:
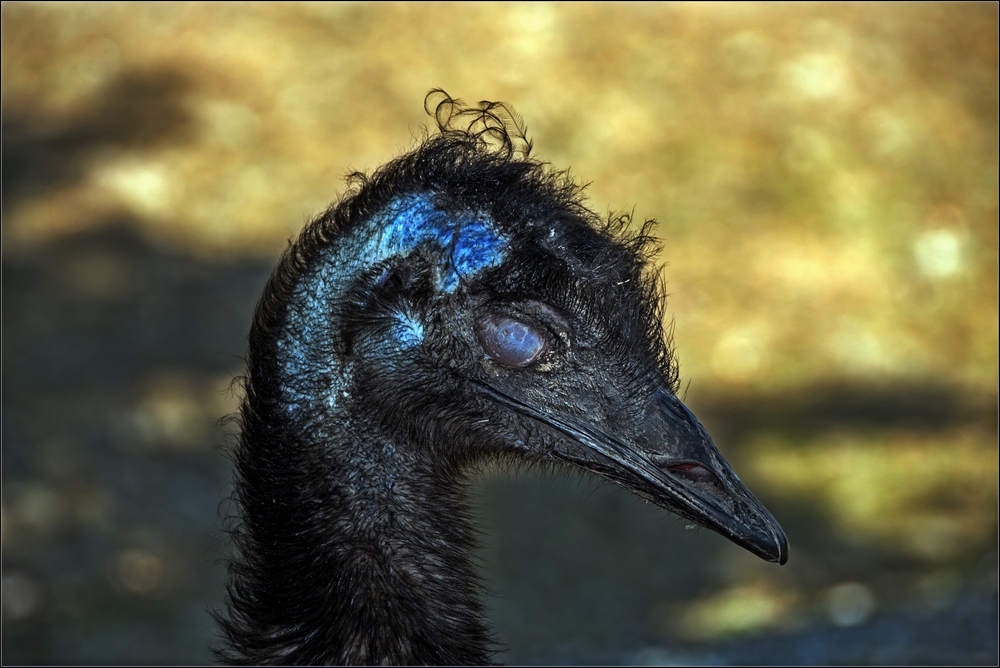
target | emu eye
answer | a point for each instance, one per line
(509, 341)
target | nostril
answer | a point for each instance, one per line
(693, 471)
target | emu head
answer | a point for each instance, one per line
(464, 302)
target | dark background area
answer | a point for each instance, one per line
(825, 181)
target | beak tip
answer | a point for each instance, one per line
(782, 556)
(771, 546)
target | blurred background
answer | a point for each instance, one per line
(825, 181)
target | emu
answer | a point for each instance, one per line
(458, 305)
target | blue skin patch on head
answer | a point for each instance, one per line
(469, 240)
(470, 244)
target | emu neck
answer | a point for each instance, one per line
(365, 553)
(355, 544)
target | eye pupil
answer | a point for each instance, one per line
(510, 341)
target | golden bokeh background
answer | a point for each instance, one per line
(824, 177)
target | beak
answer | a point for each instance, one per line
(673, 463)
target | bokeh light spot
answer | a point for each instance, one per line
(938, 253)
(819, 76)
(21, 597)
(139, 571)
(740, 610)
(740, 353)
(849, 604)
(144, 185)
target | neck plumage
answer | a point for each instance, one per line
(353, 551)
(353, 548)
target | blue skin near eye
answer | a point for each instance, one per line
(470, 241)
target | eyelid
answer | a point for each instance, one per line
(511, 341)
(549, 312)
